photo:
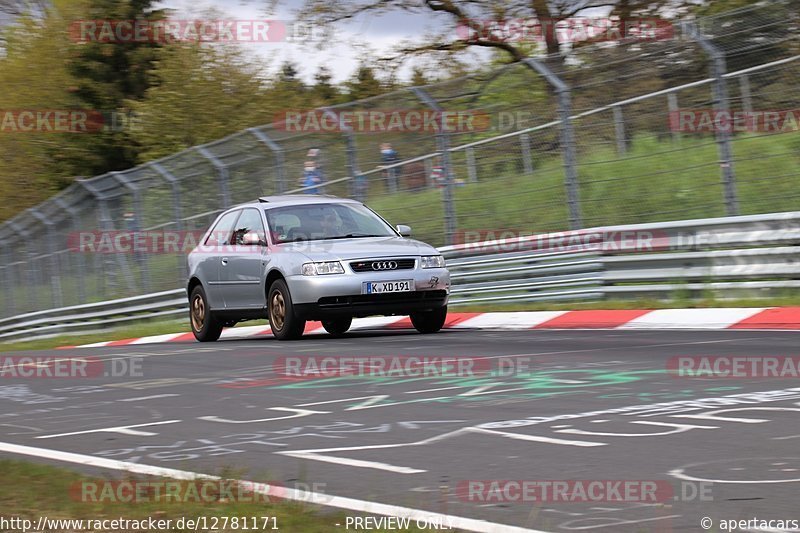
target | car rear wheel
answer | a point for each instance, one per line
(283, 321)
(429, 321)
(205, 326)
(337, 326)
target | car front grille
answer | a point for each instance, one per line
(378, 299)
(382, 265)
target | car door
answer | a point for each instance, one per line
(212, 255)
(242, 271)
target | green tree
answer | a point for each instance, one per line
(363, 83)
(109, 73)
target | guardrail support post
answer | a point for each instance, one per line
(55, 270)
(567, 140)
(721, 103)
(280, 161)
(443, 140)
(222, 174)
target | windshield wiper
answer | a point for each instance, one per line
(354, 236)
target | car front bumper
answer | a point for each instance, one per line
(317, 297)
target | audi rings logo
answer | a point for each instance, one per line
(384, 265)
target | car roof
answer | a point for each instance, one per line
(300, 199)
(296, 199)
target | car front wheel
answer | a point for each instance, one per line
(429, 321)
(283, 321)
(337, 326)
(205, 326)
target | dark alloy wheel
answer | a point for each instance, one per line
(205, 326)
(283, 321)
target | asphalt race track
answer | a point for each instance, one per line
(416, 442)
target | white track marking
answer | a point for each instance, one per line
(142, 398)
(154, 339)
(243, 332)
(720, 318)
(374, 322)
(297, 414)
(535, 438)
(457, 522)
(125, 430)
(518, 320)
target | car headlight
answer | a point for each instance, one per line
(432, 261)
(323, 267)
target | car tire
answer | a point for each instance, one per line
(205, 326)
(429, 321)
(337, 326)
(283, 321)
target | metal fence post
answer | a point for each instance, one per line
(106, 224)
(721, 103)
(222, 174)
(175, 185)
(55, 270)
(567, 140)
(619, 130)
(443, 140)
(9, 308)
(280, 161)
(138, 216)
(81, 270)
(472, 171)
(357, 189)
(672, 106)
(32, 294)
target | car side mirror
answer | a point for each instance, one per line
(252, 238)
(404, 230)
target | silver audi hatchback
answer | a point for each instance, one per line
(296, 258)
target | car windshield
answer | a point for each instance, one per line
(315, 222)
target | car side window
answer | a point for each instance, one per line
(221, 233)
(249, 221)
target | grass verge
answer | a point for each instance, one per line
(32, 490)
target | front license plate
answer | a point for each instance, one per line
(377, 287)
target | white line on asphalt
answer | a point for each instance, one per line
(142, 398)
(457, 522)
(125, 430)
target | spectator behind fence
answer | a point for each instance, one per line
(315, 155)
(389, 156)
(311, 178)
